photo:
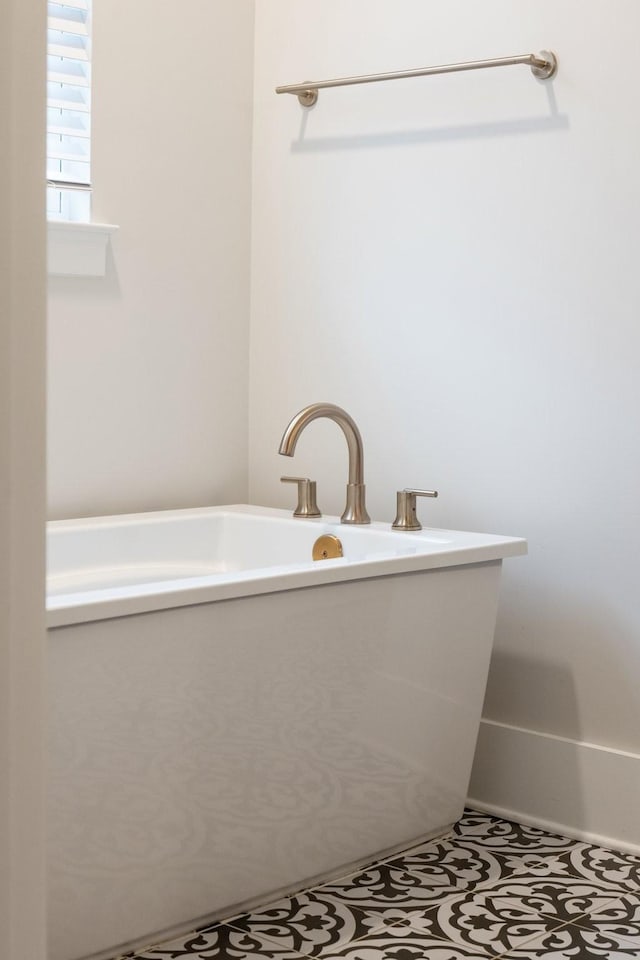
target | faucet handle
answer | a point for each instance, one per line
(406, 517)
(307, 506)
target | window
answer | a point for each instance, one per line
(68, 111)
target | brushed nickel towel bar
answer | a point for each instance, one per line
(543, 66)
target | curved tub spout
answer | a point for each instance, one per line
(355, 510)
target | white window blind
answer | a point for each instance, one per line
(68, 110)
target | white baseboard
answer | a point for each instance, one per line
(581, 790)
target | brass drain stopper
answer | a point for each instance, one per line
(327, 547)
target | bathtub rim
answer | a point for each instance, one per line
(88, 606)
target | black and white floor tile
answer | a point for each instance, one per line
(492, 889)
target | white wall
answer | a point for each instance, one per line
(453, 259)
(22, 493)
(147, 368)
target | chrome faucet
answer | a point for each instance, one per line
(355, 511)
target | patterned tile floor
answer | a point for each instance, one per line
(490, 889)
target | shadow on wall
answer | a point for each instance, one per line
(517, 769)
(554, 121)
(541, 692)
(473, 131)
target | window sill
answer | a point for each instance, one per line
(77, 249)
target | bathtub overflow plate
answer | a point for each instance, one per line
(327, 547)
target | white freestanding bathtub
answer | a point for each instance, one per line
(230, 718)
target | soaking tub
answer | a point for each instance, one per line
(230, 718)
